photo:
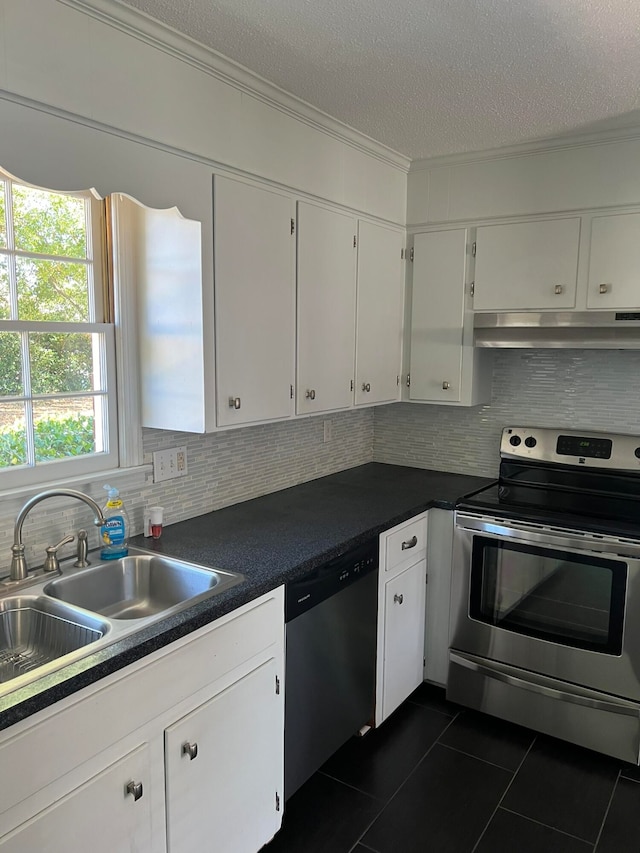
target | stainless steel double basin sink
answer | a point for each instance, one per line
(56, 622)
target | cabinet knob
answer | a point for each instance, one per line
(366, 386)
(446, 386)
(190, 749)
(134, 789)
(311, 394)
(409, 543)
(604, 288)
(558, 289)
(398, 598)
(235, 402)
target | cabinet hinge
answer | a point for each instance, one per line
(277, 686)
(277, 801)
(355, 241)
(293, 226)
(398, 379)
(472, 288)
(408, 380)
(424, 662)
(403, 254)
(352, 384)
(473, 249)
(291, 392)
(411, 253)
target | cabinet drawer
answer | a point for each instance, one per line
(406, 542)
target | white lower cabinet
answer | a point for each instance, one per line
(180, 752)
(220, 762)
(101, 815)
(404, 635)
(401, 615)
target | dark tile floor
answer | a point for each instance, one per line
(436, 777)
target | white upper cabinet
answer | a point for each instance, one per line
(326, 308)
(527, 266)
(379, 313)
(614, 279)
(254, 269)
(444, 367)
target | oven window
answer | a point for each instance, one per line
(573, 599)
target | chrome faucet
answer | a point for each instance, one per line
(19, 570)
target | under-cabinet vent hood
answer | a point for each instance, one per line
(570, 329)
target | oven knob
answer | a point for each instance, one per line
(637, 452)
(530, 441)
(515, 440)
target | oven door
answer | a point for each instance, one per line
(549, 601)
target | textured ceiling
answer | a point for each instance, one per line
(429, 77)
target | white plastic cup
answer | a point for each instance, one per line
(155, 521)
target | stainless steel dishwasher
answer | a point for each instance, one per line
(331, 617)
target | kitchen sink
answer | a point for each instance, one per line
(139, 586)
(35, 631)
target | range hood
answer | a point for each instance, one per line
(554, 329)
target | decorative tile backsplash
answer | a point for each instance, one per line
(223, 468)
(576, 389)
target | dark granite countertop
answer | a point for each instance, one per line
(271, 539)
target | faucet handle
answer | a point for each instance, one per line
(51, 563)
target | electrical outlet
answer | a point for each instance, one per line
(328, 431)
(181, 461)
(168, 464)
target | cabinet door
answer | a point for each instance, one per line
(527, 266)
(379, 313)
(326, 309)
(613, 262)
(404, 598)
(437, 315)
(100, 816)
(227, 795)
(254, 262)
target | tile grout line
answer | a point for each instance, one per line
(606, 814)
(504, 794)
(403, 783)
(547, 826)
(477, 758)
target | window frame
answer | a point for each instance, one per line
(102, 321)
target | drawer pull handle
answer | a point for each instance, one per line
(366, 386)
(558, 289)
(604, 288)
(410, 543)
(190, 749)
(311, 394)
(446, 386)
(234, 402)
(135, 789)
(398, 598)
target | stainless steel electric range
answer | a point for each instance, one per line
(545, 600)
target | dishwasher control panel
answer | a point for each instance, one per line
(327, 579)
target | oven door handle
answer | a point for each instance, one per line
(619, 707)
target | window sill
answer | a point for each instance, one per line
(12, 500)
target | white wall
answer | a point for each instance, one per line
(103, 71)
(554, 179)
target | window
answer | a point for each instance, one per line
(57, 367)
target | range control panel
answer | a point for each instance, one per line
(572, 447)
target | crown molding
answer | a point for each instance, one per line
(182, 47)
(521, 149)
